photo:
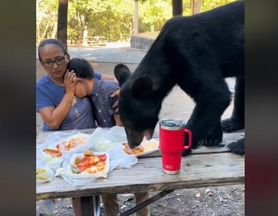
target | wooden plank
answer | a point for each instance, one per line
(227, 139)
(197, 171)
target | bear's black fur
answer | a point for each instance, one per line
(197, 53)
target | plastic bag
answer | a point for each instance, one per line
(43, 172)
(117, 159)
(61, 138)
(105, 139)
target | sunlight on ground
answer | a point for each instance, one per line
(117, 44)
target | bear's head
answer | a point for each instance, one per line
(138, 105)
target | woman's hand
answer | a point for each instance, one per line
(70, 81)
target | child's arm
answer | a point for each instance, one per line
(118, 120)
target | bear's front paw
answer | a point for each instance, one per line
(210, 141)
(237, 147)
(232, 124)
(214, 138)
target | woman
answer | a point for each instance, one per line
(55, 100)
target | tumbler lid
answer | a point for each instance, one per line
(172, 124)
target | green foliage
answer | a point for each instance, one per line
(210, 4)
(110, 18)
(46, 18)
(154, 13)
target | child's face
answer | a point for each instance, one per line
(82, 88)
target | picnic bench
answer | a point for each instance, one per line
(205, 167)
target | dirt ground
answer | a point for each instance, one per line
(212, 201)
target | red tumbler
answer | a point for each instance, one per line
(172, 143)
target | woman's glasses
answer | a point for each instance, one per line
(57, 61)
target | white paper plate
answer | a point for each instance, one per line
(87, 175)
(83, 136)
(149, 146)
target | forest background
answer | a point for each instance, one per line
(112, 20)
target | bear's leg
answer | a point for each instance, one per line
(204, 122)
(236, 122)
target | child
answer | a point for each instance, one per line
(98, 91)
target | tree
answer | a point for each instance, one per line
(113, 19)
(177, 7)
(46, 17)
(62, 21)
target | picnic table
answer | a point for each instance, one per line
(205, 167)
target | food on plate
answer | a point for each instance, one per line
(137, 150)
(89, 163)
(71, 143)
(150, 145)
(146, 147)
(53, 152)
(42, 175)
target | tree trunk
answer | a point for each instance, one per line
(135, 18)
(177, 7)
(38, 39)
(54, 32)
(196, 6)
(62, 21)
(85, 36)
(44, 32)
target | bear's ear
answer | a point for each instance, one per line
(122, 73)
(142, 87)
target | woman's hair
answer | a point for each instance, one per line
(54, 42)
(82, 68)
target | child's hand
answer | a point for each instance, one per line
(116, 93)
(115, 106)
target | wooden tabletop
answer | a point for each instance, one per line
(204, 167)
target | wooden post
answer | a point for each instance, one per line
(62, 21)
(135, 18)
(177, 7)
(89, 205)
(196, 6)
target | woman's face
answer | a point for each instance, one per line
(54, 61)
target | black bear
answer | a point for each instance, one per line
(196, 53)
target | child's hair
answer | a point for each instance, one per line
(54, 42)
(82, 68)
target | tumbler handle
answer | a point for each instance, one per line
(187, 131)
